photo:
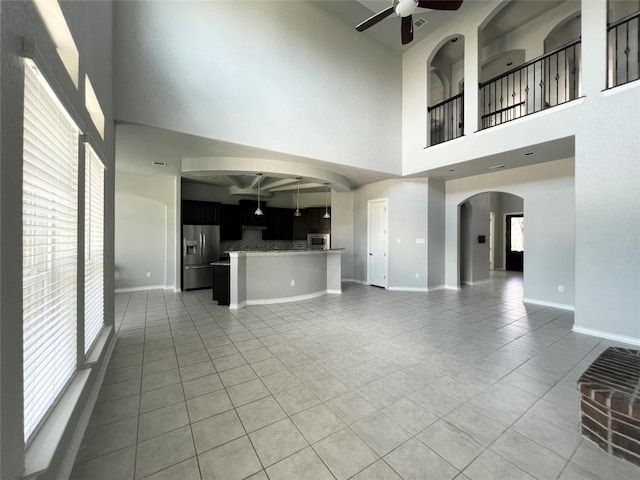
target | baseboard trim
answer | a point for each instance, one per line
(436, 287)
(296, 298)
(334, 292)
(452, 287)
(237, 306)
(141, 289)
(606, 335)
(542, 303)
(353, 280)
(477, 282)
(408, 289)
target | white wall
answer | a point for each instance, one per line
(548, 193)
(476, 254)
(342, 230)
(407, 223)
(435, 232)
(91, 27)
(292, 79)
(145, 232)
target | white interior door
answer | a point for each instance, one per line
(492, 233)
(377, 234)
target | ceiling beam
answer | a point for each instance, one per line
(256, 181)
(294, 187)
(277, 183)
(233, 180)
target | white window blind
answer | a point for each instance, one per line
(50, 248)
(94, 247)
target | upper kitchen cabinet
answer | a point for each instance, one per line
(200, 213)
(247, 209)
(279, 224)
(311, 221)
(230, 222)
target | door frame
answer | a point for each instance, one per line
(386, 235)
(504, 226)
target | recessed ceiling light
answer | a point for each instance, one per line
(159, 164)
(528, 153)
(496, 167)
(509, 64)
(452, 170)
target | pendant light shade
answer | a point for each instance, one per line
(297, 212)
(326, 204)
(258, 211)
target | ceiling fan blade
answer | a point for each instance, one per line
(440, 4)
(407, 29)
(371, 21)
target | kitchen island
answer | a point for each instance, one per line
(278, 276)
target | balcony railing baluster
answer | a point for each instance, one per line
(624, 67)
(557, 70)
(446, 120)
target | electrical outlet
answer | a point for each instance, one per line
(148, 274)
(561, 288)
(293, 283)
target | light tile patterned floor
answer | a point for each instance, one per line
(370, 384)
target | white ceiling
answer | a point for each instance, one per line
(512, 16)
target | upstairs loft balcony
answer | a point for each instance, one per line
(446, 120)
(544, 82)
(624, 50)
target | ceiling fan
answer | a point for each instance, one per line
(404, 9)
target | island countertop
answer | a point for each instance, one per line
(277, 276)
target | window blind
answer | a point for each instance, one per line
(50, 248)
(94, 247)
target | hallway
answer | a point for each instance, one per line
(370, 384)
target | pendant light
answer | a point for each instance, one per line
(258, 211)
(297, 212)
(326, 203)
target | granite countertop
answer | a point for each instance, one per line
(223, 263)
(291, 250)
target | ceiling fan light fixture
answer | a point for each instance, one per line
(404, 8)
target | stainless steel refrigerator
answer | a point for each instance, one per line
(200, 247)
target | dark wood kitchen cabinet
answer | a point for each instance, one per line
(247, 209)
(311, 221)
(230, 222)
(196, 212)
(279, 223)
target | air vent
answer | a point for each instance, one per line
(159, 164)
(419, 23)
(496, 167)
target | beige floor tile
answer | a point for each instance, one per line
(217, 430)
(208, 405)
(304, 465)
(345, 453)
(260, 413)
(317, 422)
(413, 460)
(235, 460)
(119, 464)
(277, 441)
(164, 451)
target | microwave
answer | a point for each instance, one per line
(318, 241)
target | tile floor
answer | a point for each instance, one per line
(372, 384)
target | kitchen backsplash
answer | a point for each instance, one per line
(234, 245)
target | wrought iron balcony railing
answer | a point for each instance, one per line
(547, 81)
(446, 120)
(624, 50)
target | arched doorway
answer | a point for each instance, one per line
(483, 247)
